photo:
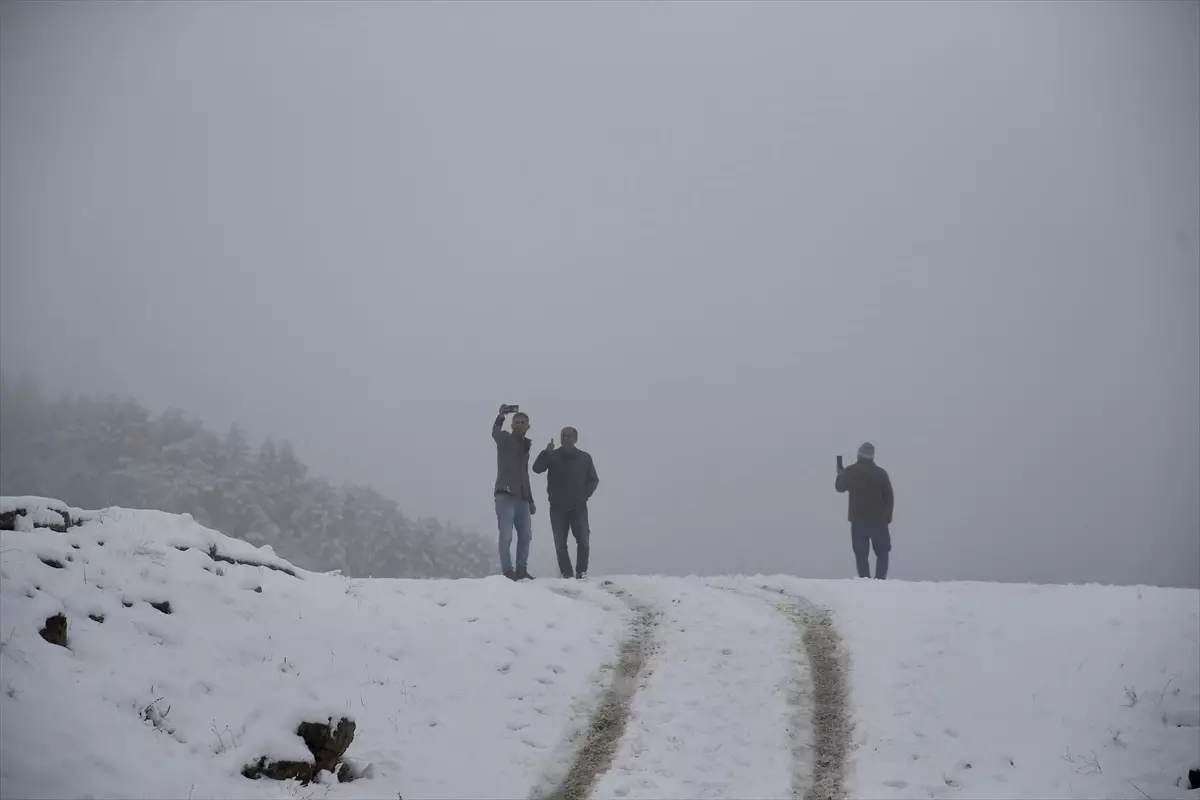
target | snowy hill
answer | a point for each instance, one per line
(144, 655)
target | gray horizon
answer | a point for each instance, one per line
(726, 242)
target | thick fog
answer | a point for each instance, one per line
(727, 242)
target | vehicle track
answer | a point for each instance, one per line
(608, 721)
(819, 759)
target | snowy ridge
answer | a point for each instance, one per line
(428, 670)
(189, 655)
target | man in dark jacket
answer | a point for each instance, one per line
(513, 496)
(570, 483)
(871, 502)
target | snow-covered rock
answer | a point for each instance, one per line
(28, 513)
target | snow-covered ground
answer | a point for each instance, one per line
(629, 687)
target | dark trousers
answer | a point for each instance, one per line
(576, 521)
(864, 537)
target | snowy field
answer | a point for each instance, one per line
(188, 656)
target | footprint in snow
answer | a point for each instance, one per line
(896, 784)
(556, 669)
(953, 734)
(504, 668)
(517, 725)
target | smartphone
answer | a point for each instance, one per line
(839, 462)
(512, 409)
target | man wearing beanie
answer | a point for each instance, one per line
(871, 502)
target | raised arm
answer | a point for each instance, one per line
(592, 480)
(542, 462)
(498, 425)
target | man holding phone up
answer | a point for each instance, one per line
(512, 493)
(871, 502)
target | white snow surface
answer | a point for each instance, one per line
(485, 688)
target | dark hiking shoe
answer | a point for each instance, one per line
(566, 576)
(523, 574)
(581, 576)
(508, 573)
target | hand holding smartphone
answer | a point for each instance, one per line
(509, 409)
(839, 463)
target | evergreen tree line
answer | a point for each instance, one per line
(94, 452)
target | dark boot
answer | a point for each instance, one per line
(523, 574)
(508, 573)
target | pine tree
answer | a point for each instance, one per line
(97, 452)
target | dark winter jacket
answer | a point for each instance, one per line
(870, 489)
(572, 478)
(512, 462)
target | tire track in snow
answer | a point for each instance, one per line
(607, 723)
(830, 720)
(821, 776)
(712, 718)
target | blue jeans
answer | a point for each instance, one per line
(513, 512)
(864, 538)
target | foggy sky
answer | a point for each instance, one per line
(726, 242)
